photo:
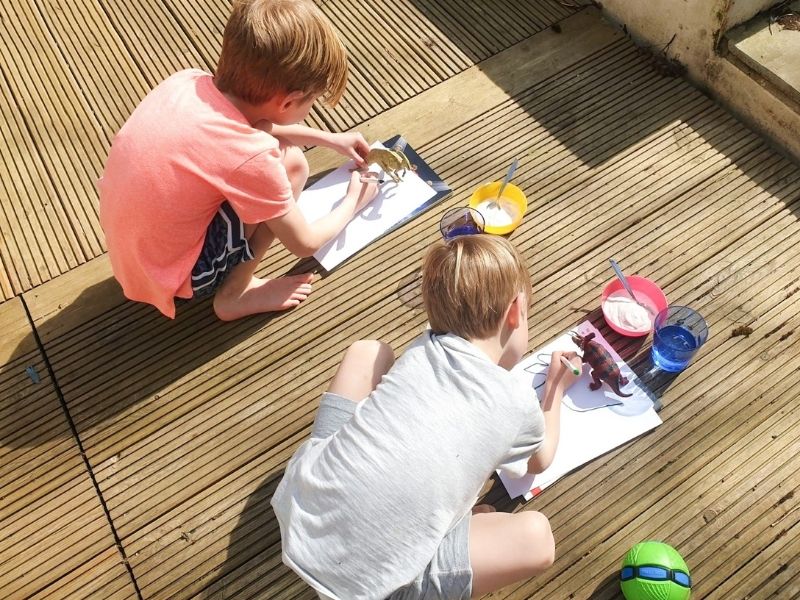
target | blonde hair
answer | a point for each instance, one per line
(273, 46)
(468, 283)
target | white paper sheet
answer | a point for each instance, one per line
(592, 423)
(394, 202)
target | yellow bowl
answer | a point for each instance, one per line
(513, 202)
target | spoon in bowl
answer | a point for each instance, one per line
(627, 286)
(493, 204)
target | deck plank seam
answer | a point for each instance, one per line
(81, 451)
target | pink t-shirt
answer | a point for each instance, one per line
(183, 151)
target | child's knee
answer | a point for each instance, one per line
(539, 545)
(372, 352)
(296, 165)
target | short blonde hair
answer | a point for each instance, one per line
(280, 46)
(468, 283)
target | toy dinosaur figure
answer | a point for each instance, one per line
(604, 367)
(391, 161)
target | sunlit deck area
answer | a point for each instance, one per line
(138, 455)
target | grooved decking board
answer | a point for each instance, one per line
(109, 80)
(187, 424)
(55, 539)
(154, 37)
(30, 252)
(57, 152)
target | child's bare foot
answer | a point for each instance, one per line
(262, 295)
(483, 508)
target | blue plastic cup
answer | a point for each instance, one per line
(461, 220)
(678, 333)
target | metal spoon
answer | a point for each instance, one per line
(509, 175)
(627, 286)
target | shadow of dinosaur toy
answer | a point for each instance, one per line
(604, 367)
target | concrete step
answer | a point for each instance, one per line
(769, 46)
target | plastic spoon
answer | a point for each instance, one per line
(627, 286)
(509, 175)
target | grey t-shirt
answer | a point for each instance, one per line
(363, 511)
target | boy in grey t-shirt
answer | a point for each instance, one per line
(379, 502)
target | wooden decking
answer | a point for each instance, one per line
(139, 454)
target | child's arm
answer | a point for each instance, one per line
(349, 143)
(559, 378)
(303, 239)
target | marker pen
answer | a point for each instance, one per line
(566, 362)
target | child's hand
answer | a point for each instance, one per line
(352, 144)
(561, 375)
(363, 188)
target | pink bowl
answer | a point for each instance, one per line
(641, 286)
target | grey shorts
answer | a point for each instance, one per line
(448, 576)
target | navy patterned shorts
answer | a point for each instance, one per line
(225, 247)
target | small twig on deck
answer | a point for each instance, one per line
(783, 15)
(669, 43)
(666, 66)
(663, 50)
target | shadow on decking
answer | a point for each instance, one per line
(255, 538)
(592, 99)
(608, 589)
(91, 361)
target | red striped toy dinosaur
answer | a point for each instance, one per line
(604, 367)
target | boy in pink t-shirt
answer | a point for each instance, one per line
(204, 174)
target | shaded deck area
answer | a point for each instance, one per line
(138, 454)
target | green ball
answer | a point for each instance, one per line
(653, 554)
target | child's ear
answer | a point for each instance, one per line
(291, 99)
(517, 311)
